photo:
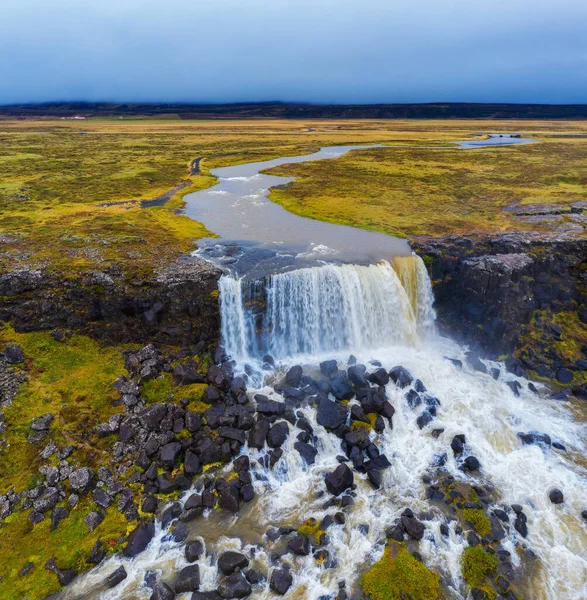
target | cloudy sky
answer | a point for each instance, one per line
(294, 50)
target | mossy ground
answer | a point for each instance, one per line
(477, 564)
(399, 576)
(57, 177)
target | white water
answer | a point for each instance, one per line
(392, 305)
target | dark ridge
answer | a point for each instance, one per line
(282, 110)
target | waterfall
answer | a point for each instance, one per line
(327, 308)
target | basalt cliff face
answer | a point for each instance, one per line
(521, 295)
(176, 305)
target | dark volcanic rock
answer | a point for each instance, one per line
(294, 376)
(412, 526)
(139, 538)
(116, 577)
(162, 591)
(300, 545)
(229, 561)
(556, 496)
(329, 368)
(281, 580)
(194, 550)
(339, 480)
(258, 434)
(234, 586)
(307, 452)
(188, 580)
(13, 354)
(331, 414)
(277, 434)
(401, 376)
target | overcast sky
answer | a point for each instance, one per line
(294, 50)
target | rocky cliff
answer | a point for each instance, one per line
(520, 295)
(176, 305)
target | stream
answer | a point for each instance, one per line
(304, 292)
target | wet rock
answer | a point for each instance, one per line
(194, 550)
(520, 524)
(471, 464)
(65, 577)
(556, 496)
(170, 513)
(116, 577)
(411, 525)
(307, 452)
(413, 398)
(379, 377)
(234, 586)
(535, 437)
(455, 361)
(339, 480)
(329, 368)
(232, 433)
(375, 478)
(253, 577)
(331, 414)
(229, 499)
(357, 375)
(277, 434)
(188, 580)
(475, 363)
(281, 580)
(205, 596)
(458, 444)
(269, 407)
(299, 545)
(294, 376)
(229, 562)
(514, 386)
(564, 375)
(495, 372)
(340, 387)
(208, 452)
(139, 539)
(424, 419)
(81, 480)
(162, 591)
(13, 354)
(401, 376)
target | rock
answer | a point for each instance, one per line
(329, 368)
(59, 513)
(476, 364)
(375, 477)
(307, 452)
(208, 451)
(194, 550)
(379, 377)
(514, 386)
(229, 499)
(258, 434)
(269, 407)
(339, 480)
(234, 586)
(401, 376)
(564, 375)
(116, 577)
(188, 580)
(229, 562)
(193, 421)
(357, 375)
(205, 596)
(424, 419)
(458, 444)
(520, 524)
(412, 526)
(101, 498)
(281, 580)
(139, 538)
(471, 464)
(48, 499)
(93, 519)
(331, 414)
(187, 374)
(277, 434)
(42, 423)
(162, 591)
(299, 545)
(150, 505)
(97, 554)
(294, 376)
(191, 463)
(81, 480)
(13, 354)
(535, 437)
(232, 433)
(556, 496)
(340, 387)
(455, 361)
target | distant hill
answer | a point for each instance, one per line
(282, 110)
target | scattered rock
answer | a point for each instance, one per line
(234, 586)
(339, 480)
(281, 580)
(556, 496)
(188, 580)
(116, 577)
(229, 561)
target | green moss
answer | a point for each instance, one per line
(476, 564)
(158, 390)
(399, 576)
(478, 520)
(361, 426)
(311, 528)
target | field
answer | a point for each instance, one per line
(71, 192)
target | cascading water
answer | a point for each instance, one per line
(383, 312)
(327, 309)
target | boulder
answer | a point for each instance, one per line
(556, 496)
(471, 464)
(281, 580)
(191, 463)
(458, 444)
(307, 452)
(93, 519)
(139, 538)
(424, 419)
(229, 562)
(293, 377)
(194, 550)
(329, 368)
(357, 375)
(265, 406)
(234, 586)
(299, 545)
(277, 434)
(188, 580)
(187, 374)
(13, 354)
(162, 591)
(535, 437)
(232, 433)
(331, 414)
(340, 387)
(339, 480)
(379, 377)
(401, 376)
(411, 525)
(116, 577)
(258, 434)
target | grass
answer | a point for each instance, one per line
(55, 182)
(477, 564)
(410, 192)
(399, 576)
(478, 520)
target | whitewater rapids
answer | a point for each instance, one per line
(383, 312)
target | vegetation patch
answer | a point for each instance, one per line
(399, 576)
(478, 520)
(477, 564)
